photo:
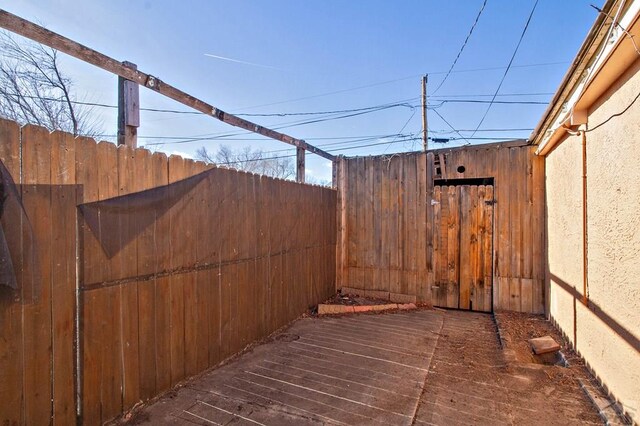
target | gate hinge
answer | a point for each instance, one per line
(490, 202)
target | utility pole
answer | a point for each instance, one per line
(128, 110)
(425, 143)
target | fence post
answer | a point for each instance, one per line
(128, 110)
(300, 165)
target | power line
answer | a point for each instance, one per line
(466, 40)
(414, 138)
(360, 111)
(317, 137)
(400, 138)
(410, 77)
(413, 113)
(449, 124)
(506, 71)
(488, 95)
(286, 114)
(480, 101)
(487, 130)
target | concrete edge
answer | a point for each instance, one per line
(325, 309)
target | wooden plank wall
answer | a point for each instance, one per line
(387, 243)
(234, 259)
(381, 224)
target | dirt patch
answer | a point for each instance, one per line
(472, 381)
(516, 329)
(568, 372)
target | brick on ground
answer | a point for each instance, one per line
(544, 345)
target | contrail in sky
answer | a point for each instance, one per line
(241, 62)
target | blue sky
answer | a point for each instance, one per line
(322, 56)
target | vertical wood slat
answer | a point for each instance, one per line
(393, 241)
(503, 224)
(351, 202)
(527, 283)
(159, 370)
(385, 212)
(342, 251)
(11, 324)
(437, 254)
(423, 261)
(137, 306)
(202, 278)
(444, 244)
(36, 197)
(178, 247)
(379, 257)
(480, 273)
(515, 237)
(475, 254)
(412, 223)
(108, 302)
(538, 238)
(63, 282)
(212, 240)
(362, 232)
(89, 369)
(370, 235)
(190, 285)
(465, 259)
(453, 257)
(488, 247)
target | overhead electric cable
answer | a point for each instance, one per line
(449, 124)
(506, 71)
(464, 44)
(410, 77)
(413, 113)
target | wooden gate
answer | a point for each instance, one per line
(462, 247)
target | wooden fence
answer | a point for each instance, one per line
(171, 282)
(388, 242)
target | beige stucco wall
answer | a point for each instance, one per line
(607, 334)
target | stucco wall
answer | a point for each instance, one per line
(607, 333)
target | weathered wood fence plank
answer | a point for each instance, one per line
(172, 279)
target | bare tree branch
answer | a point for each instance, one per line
(254, 161)
(34, 89)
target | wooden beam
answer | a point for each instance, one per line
(128, 110)
(300, 165)
(41, 35)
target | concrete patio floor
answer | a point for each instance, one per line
(419, 367)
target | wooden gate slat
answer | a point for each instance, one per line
(465, 243)
(488, 248)
(453, 257)
(462, 246)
